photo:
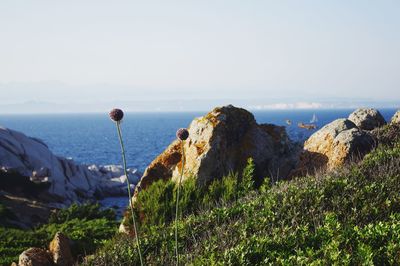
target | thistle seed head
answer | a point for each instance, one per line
(116, 114)
(182, 134)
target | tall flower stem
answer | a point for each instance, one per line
(177, 203)
(118, 123)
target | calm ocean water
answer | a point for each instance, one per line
(92, 138)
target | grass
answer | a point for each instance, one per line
(349, 217)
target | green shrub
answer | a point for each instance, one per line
(87, 232)
(85, 211)
(347, 217)
(221, 190)
(381, 155)
(246, 183)
(156, 204)
(189, 196)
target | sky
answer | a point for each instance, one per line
(88, 56)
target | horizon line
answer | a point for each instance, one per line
(195, 111)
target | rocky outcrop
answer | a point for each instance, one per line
(367, 118)
(60, 249)
(396, 118)
(220, 142)
(333, 145)
(65, 180)
(35, 257)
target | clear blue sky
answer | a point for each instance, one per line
(157, 54)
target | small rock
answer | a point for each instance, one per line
(60, 249)
(35, 257)
(367, 118)
(396, 118)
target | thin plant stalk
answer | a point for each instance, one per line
(129, 190)
(177, 204)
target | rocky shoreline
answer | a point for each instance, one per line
(35, 180)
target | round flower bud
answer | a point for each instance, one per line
(182, 134)
(116, 114)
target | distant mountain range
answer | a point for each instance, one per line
(185, 105)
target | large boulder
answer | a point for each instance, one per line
(332, 146)
(220, 142)
(367, 118)
(60, 249)
(35, 257)
(67, 181)
(396, 118)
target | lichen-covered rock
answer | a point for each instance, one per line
(220, 142)
(333, 145)
(396, 118)
(60, 249)
(367, 118)
(35, 257)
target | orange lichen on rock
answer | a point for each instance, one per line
(162, 166)
(200, 147)
(220, 142)
(332, 146)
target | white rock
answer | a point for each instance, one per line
(72, 182)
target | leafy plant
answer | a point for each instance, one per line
(246, 183)
(347, 217)
(88, 232)
(85, 211)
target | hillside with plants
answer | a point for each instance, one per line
(208, 200)
(87, 226)
(348, 216)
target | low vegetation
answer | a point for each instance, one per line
(87, 226)
(156, 204)
(349, 217)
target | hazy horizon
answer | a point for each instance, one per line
(185, 106)
(89, 56)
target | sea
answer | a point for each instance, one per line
(92, 138)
